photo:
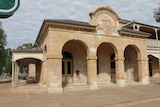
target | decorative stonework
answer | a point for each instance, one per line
(106, 24)
(104, 10)
(105, 19)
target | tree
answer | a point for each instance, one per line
(23, 69)
(3, 43)
(3, 37)
(25, 46)
(8, 61)
(157, 14)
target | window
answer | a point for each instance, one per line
(112, 59)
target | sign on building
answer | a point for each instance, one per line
(8, 7)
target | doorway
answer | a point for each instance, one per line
(131, 64)
(150, 68)
(67, 71)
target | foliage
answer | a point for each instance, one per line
(3, 37)
(157, 14)
(25, 46)
(23, 69)
(5, 54)
(8, 62)
(2, 59)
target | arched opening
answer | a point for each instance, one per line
(131, 64)
(67, 68)
(150, 67)
(154, 70)
(113, 68)
(106, 68)
(23, 71)
(29, 70)
(74, 63)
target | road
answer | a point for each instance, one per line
(129, 96)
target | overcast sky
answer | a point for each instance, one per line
(24, 25)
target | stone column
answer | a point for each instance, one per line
(32, 70)
(13, 75)
(156, 32)
(120, 72)
(92, 72)
(38, 71)
(15, 70)
(44, 73)
(54, 66)
(16, 74)
(143, 71)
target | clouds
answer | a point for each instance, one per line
(24, 25)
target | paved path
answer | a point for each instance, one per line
(131, 96)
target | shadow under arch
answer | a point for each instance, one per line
(78, 41)
(132, 55)
(153, 64)
(29, 70)
(148, 30)
(74, 60)
(106, 66)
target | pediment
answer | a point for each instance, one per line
(104, 10)
(105, 19)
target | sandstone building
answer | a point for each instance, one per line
(105, 51)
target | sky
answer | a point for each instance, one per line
(24, 25)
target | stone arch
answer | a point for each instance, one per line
(79, 41)
(153, 63)
(131, 55)
(27, 57)
(105, 72)
(29, 69)
(79, 52)
(30, 55)
(110, 44)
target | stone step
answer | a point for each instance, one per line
(23, 87)
(75, 87)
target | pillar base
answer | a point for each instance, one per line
(145, 80)
(93, 85)
(121, 83)
(13, 86)
(55, 90)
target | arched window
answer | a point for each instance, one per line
(150, 67)
(67, 55)
(67, 63)
(112, 59)
(97, 66)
